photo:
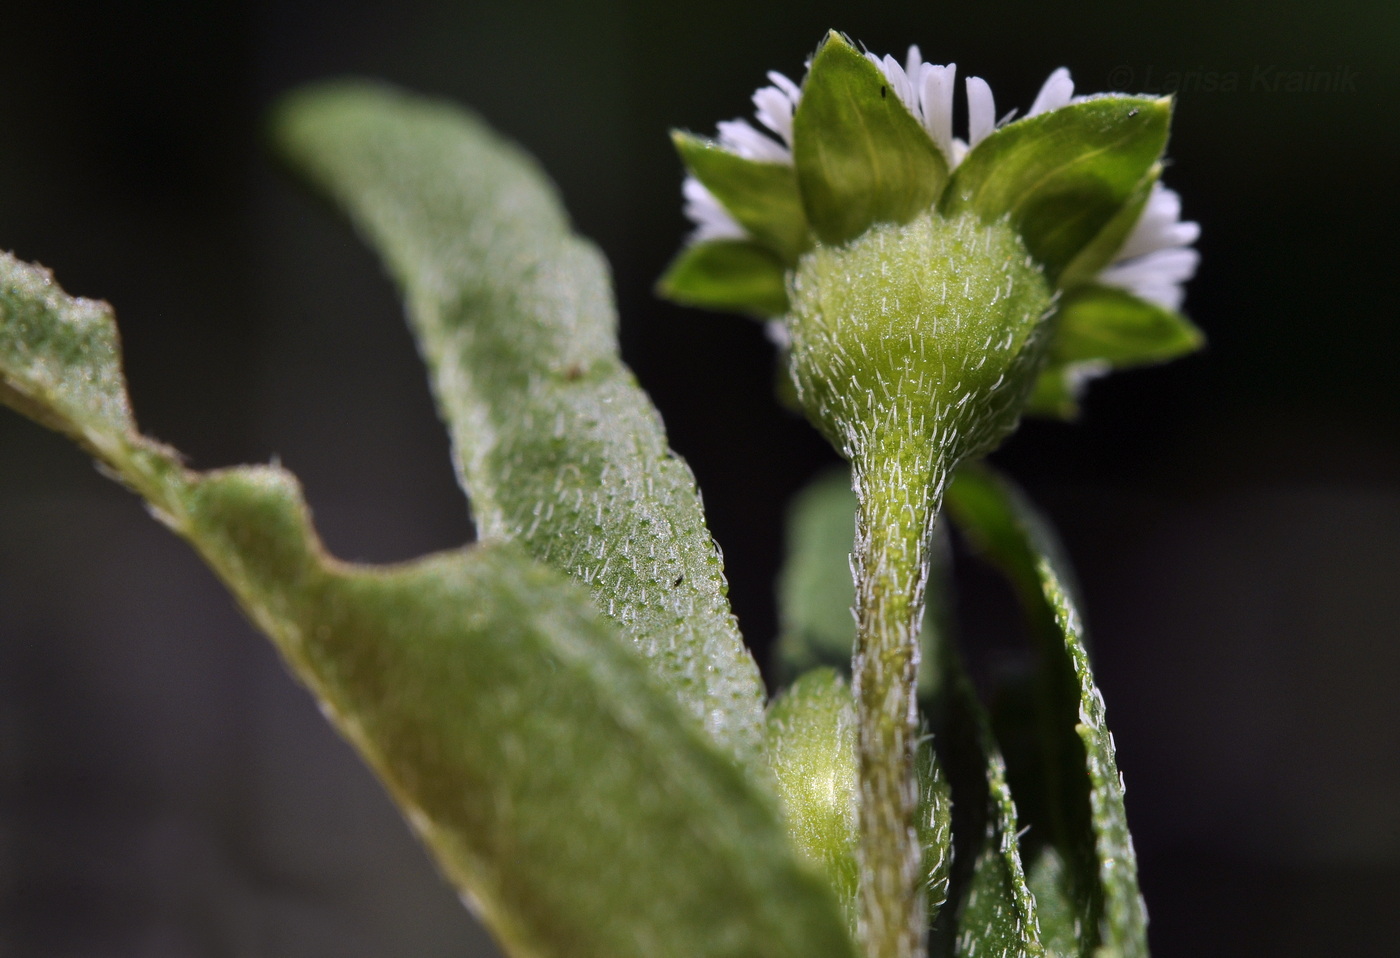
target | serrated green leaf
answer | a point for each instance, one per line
(861, 156)
(1061, 177)
(1098, 323)
(733, 276)
(555, 443)
(762, 197)
(559, 784)
(997, 916)
(1080, 802)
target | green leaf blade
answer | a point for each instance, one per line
(997, 914)
(1098, 323)
(1061, 177)
(762, 197)
(861, 156)
(733, 276)
(556, 445)
(1083, 805)
(554, 776)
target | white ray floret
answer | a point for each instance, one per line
(1055, 92)
(1153, 263)
(1157, 259)
(712, 221)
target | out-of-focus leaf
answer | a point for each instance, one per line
(812, 746)
(1080, 805)
(1111, 326)
(558, 782)
(762, 197)
(733, 276)
(816, 591)
(1059, 387)
(861, 156)
(555, 443)
(1062, 176)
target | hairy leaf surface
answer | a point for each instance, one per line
(558, 782)
(557, 446)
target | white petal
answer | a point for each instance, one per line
(712, 221)
(777, 333)
(791, 90)
(981, 111)
(898, 80)
(1160, 226)
(739, 137)
(1056, 92)
(937, 85)
(913, 62)
(774, 110)
(1157, 276)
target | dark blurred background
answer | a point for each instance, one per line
(165, 788)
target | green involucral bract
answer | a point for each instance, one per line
(1061, 177)
(861, 157)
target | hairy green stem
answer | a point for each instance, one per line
(898, 488)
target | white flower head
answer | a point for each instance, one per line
(1154, 262)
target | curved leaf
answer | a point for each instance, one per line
(729, 275)
(1062, 176)
(563, 789)
(861, 156)
(997, 915)
(762, 197)
(555, 443)
(1082, 805)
